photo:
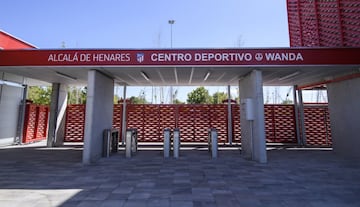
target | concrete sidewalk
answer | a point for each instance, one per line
(39, 176)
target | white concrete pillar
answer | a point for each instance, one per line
(344, 102)
(99, 114)
(253, 141)
(58, 105)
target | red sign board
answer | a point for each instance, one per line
(186, 57)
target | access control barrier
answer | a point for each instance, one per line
(212, 142)
(35, 123)
(167, 143)
(131, 142)
(110, 142)
(176, 143)
(194, 120)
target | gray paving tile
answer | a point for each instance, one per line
(90, 204)
(181, 204)
(123, 190)
(290, 178)
(135, 203)
(158, 203)
(139, 196)
(113, 203)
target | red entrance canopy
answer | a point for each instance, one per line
(182, 57)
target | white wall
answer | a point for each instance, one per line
(344, 108)
(10, 99)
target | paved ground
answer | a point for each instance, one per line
(37, 176)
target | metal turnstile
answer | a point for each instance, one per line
(176, 142)
(167, 143)
(213, 142)
(110, 142)
(131, 142)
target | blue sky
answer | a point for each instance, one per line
(144, 24)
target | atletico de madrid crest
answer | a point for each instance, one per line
(140, 57)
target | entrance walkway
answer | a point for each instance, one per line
(37, 176)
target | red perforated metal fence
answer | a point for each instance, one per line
(317, 125)
(117, 117)
(194, 121)
(35, 123)
(280, 123)
(331, 23)
(235, 112)
(75, 123)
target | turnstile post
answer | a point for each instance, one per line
(166, 142)
(213, 142)
(176, 142)
(128, 143)
(134, 138)
(106, 143)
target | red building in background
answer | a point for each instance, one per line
(8, 41)
(324, 23)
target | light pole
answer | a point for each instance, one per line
(171, 22)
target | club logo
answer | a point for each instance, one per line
(259, 56)
(140, 57)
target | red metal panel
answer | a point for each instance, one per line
(337, 20)
(294, 22)
(167, 118)
(201, 122)
(279, 123)
(186, 123)
(35, 123)
(7, 41)
(235, 112)
(29, 124)
(75, 123)
(350, 16)
(152, 132)
(117, 118)
(284, 116)
(42, 120)
(329, 30)
(135, 119)
(269, 123)
(308, 23)
(317, 125)
(219, 119)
